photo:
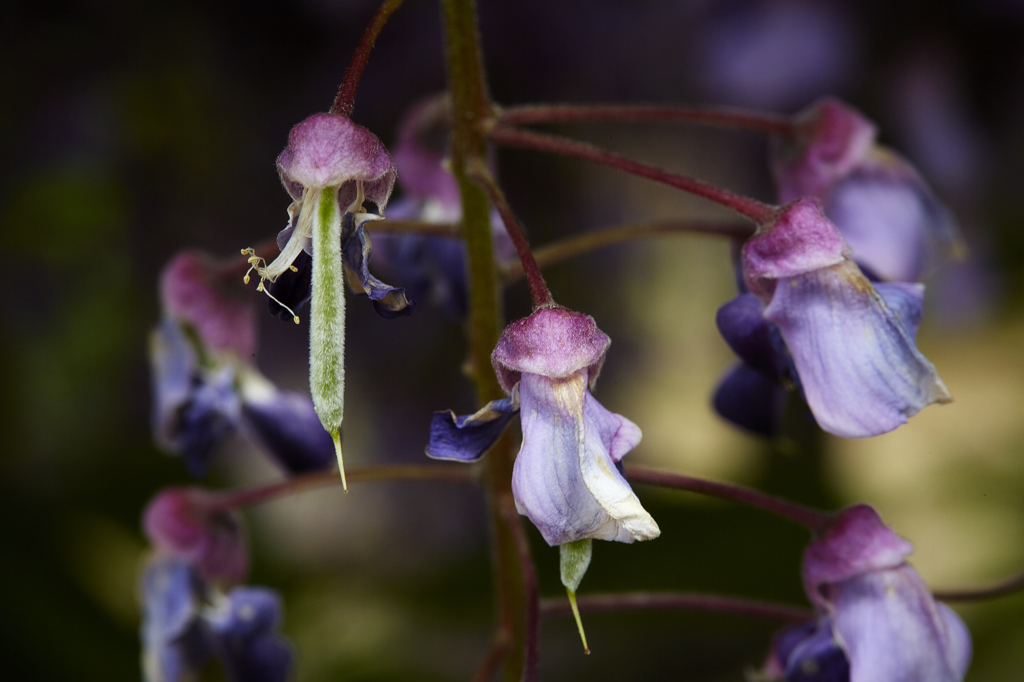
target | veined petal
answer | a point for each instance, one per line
(466, 438)
(860, 371)
(893, 629)
(565, 479)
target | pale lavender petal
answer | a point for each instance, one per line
(173, 648)
(327, 150)
(553, 342)
(799, 240)
(466, 438)
(959, 647)
(860, 371)
(565, 479)
(893, 629)
(895, 226)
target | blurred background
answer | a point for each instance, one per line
(130, 131)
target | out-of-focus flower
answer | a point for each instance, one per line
(186, 523)
(897, 230)
(186, 623)
(204, 387)
(877, 620)
(852, 343)
(433, 268)
(566, 477)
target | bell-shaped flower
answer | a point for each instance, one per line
(204, 385)
(566, 477)
(186, 622)
(897, 230)
(877, 620)
(852, 344)
(339, 176)
(432, 268)
(188, 524)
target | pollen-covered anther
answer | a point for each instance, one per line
(260, 266)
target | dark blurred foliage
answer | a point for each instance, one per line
(131, 130)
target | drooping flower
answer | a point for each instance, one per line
(877, 621)
(433, 268)
(566, 477)
(851, 343)
(204, 385)
(896, 227)
(339, 176)
(186, 622)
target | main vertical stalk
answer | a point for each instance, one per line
(470, 105)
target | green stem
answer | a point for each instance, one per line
(561, 250)
(471, 107)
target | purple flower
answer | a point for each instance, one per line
(186, 523)
(566, 477)
(186, 622)
(897, 229)
(852, 344)
(874, 609)
(205, 388)
(433, 268)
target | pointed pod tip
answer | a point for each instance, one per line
(336, 437)
(579, 622)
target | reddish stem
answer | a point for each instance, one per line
(320, 479)
(1009, 586)
(672, 601)
(751, 208)
(346, 98)
(559, 113)
(811, 518)
(515, 523)
(479, 174)
(493, 659)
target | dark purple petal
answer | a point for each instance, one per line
(565, 479)
(894, 630)
(193, 409)
(818, 658)
(286, 425)
(466, 438)
(173, 648)
(753, 338)
(192, 291)
(327, 150)
(293, 289)
(859, 368)
(183, 523)
(552, 342)
(389, 302)
(245, 631)
(751, 399)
